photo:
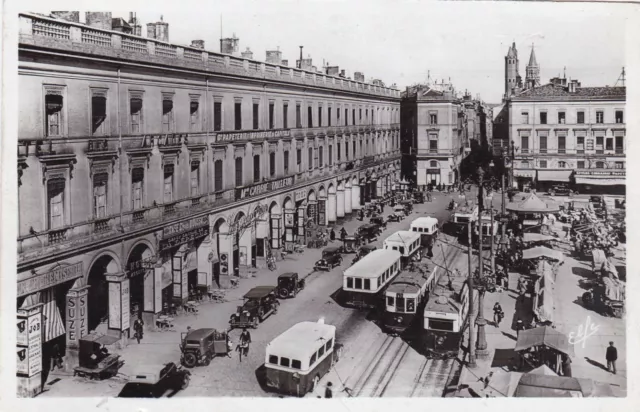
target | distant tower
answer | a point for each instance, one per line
(512, 79)
(532, 78)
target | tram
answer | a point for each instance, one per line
(465, 213)
(407, 243)
(428, 229)
(446, 316)
(365, 281)
(489, 231)
(406, 296)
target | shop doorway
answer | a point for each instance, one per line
(139, 271)
(98, 297)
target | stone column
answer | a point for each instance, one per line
(340, 204)
(225, 241)
(29, 351)
(119, 305)
(355, 198)
(77, 323)
(204, 263)
(331, 208)
(348, 196)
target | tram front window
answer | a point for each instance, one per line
(441, 324)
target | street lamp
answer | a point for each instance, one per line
(480, 283)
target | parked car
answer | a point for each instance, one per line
(395, 217)
(362, 252)
(199, 346)
(561, 190)
(259, 303)
(149, 382)
(331, 258)
(379, 221)
(369, 232)
(289, 285)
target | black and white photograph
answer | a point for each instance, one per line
(318, 199)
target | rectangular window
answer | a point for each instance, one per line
(619, 144)
(562, 144)
(310, 158)
(329, 116)
(295, 364)
(354, 149)
(237, 114)
(272, 164)
(543, 144)
(286, 162)
(239, 171)
(367, 284)
(167, 115)
(53, 107)
(619, 116)
(137, 187)
(321, 157)
(256, 116)
(543, 117)
(256, 168)
(135, 113)
(433, 118)
(580, 144)
(580, 117)
(599, 144)
(525, 117)
(194, 113)
(609, 144)
(55, 194)
(441, 324)
(284, 362)
(98, 115)
(168, 183)
(346, 150)
(619, 165)
(353, 117)
(319, 116)
(271, 114)
(390, 299)
(217, 116)
(339, 154)
(524, 144)
(298, 156)
(360, 115)
(349, 283)
(358, 283)
(330, 155)
(580, 164)
(346, 115)
(599, 117)
(195, 178)
(433, 146)
(298, 117)
(329, 344)
(285, 116)
(313, 358)
(309, 117)
(218, 175)
(321, 351)
(273, 360)
(561, 117)
(543, 164)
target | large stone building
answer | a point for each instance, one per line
(562, 132)
(147, 169)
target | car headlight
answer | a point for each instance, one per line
(440, 340)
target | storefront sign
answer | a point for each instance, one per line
(125, 304)
(115, 295)
(322, 214)
(140, 267)
(185, 285)
(185, 226)
(59, 275)
(256, 190)
(433, 171)
(183, 238)
(300, 195)
(77, 326)
(35, 344)
(260, 135)
(289, 219)
(22, 332)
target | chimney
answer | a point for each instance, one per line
(274, 56)
(359, 77)
(573, 85)
(99, 19)
(136, 28)
(299, 62)
(230, 45)
(305, 64)
(247, 54)
(342, 74)
(197, 44)
(284, 63)
(162, 31)
(71, 16)
(333, 70)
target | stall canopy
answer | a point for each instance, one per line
(544, 336)
(541, 251)
(533, 385)
(533, 204)
(536, 237)
(554, 175)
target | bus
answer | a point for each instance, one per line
(298, 358)
(428, 229)
(364, 282)
(406, 296)
(407, 243)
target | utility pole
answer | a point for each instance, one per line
(472, 335)
(503, 206)
(493, 260)
(481, 321)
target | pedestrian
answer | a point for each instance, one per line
(56, 357)
(229, 346)
(612, 357)
(245, 340)
(328, 392)
(332, 235)
(497, 314)
(343, 234)
(566, 366)
(138, 327)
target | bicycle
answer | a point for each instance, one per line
(271, 264)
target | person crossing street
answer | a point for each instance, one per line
(243, 347)
(498, 314)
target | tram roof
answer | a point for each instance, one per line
(425, 220)
(301, 340)
(410, 281)
(403, 236)
(375, 262)
(436, 302)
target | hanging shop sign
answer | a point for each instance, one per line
(312, 211)
(125, 304)
(300, 195)
(140, 267)
(259, 189)
(257, 135)
(183, 238)
(57, 276)
(249, 220)
(29, 353)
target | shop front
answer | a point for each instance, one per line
(524, 179)
(549, 178)
(601, 181)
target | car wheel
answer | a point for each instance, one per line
(185, 381)
(284, 293)
(207, 361)
(190, 360)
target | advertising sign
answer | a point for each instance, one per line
(124, 298)
(185, 226)
(59, 275)
(185, 285)
(22, 362)
(299, 195)
(157, 290)
(257, 135)
(312, 212)
(114, 305)
(22, 331)
(256, 190)
(322, 213)
(77, 326)
(35, 344)
(183, 238)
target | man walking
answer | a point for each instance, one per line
(243, 347)
(612, 357)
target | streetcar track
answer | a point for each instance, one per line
(389, 376)
(419, 376)
(371, 367)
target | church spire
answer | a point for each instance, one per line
(532, 59)
(532, 77)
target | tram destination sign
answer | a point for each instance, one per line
(183, 238)
(256, 135)
(256, 190)
(57, 276)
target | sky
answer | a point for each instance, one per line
(401, 41)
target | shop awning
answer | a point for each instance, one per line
(536, 237)
(541, 251)
(544, 336)
(524, 173)
(602, 181)
(554, 175)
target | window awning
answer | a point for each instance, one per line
(524, 173)
(603, 181)
(554, 175)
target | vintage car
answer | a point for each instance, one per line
(331, 258)
(395, 217)
(95, 361)
(289, 285)
(148, 382)
(418, 197)
(561, 190)
(362, 252)
(379, 220)
(259, 303)
(369, 232)
(350, 244)
(199, 346)
(408, 206)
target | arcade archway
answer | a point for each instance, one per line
(139, 271)
(98, 296)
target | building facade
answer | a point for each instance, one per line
(148, 169)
